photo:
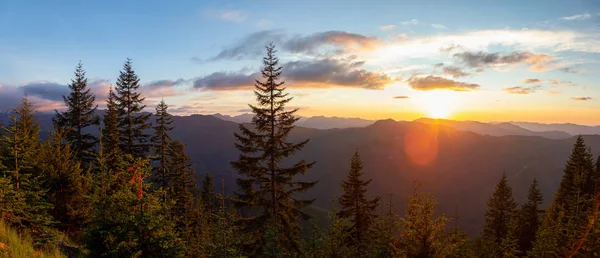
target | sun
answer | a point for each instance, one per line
(439, 104)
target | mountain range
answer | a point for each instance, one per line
(458, 162)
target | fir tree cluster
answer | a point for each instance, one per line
(118, 185)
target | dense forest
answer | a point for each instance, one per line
(129, 190)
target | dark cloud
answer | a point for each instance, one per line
(321, 73)
(522, 90)
(46, 90)
(538, 62)
(532, 80)
(438, 65)
(570, 69)
(582, 98)
(401, 97)
(455, 72)
(162, 88)
(434, 82)
(253, 45)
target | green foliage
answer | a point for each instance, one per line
(528, 219)
(16, 244)
(24, 204)
(110, 135)
(68, 187)
(133, 140)
(267, 187)
(360, 211)
(423, 235)
(501, 207)
(80, 114)
(568, 219)
(127, 220)
(336, 244)
(161, 141)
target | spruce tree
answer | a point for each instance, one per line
(132, 123)
(529, 218)
(24, 205)
(501, 207)
(267, 186)
(355, 206)
(110, 132)
(161, 141)
(80, 114)
(422, 235)
(567, 220)
(68, 187)
(208, 193)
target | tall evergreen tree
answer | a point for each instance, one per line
(566, 221)
(355, 206)
(264, 183)
(422, 234)
(161, 141)
(110, 132)
(24, 204)
(208, 193)
(529, 218)
(132, 123)
(67, 186)
(501, 207)
(80, 114)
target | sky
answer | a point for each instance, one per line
(479, 60)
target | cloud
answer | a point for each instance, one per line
(387, 27)
(252, 46)
(410, 22)
(401, 97)
(226, 15)
(582, 98)
(570, 69)
(553, 82)
(553, 92)
(322, 73)
(46, 90)
(264, 23)
(438, 65)
(161, 88)
(532, 80)
(454, 71)
(582, 16)
(538, 62)
(438, 26)
(434, 83)
(522, 90)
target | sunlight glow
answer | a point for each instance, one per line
(439, 104)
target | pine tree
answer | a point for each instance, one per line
(132, 123)
(566, 221)
(181, 181)
(422, 235)
(161, 141)
(385, 227)
(208, 193)
(528, 218)
(67, 185)
(265, 185)
(127, 219)
(501, 207)
(24, 204)
(110, 133)
(80, 114)
(355, 205)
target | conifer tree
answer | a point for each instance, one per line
(385, 227)
(132, 123)
(67, 185)
(110, 133)
(355, 205)
(422, 235)
(528, 218)
(161, 141)
(265, 184)
(566, 221)
(80, 114)
(208, 193)
(24, 203)
(127, 219)
(501, 207)
(181, 181)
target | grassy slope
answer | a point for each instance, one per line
(15, 245)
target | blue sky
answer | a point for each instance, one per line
(376, 59)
